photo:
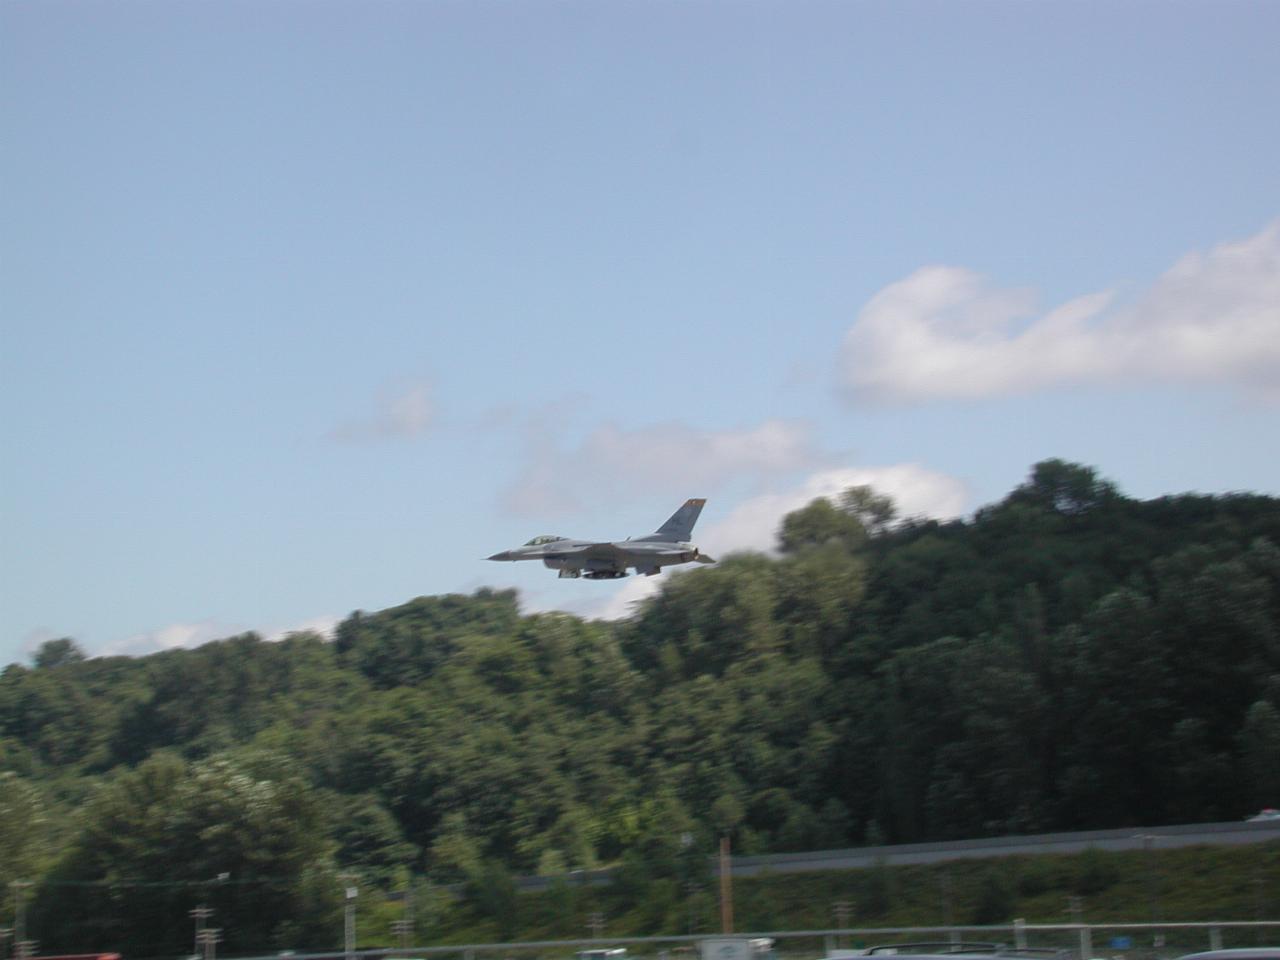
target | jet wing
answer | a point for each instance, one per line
(581, 550)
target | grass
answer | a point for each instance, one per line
(1188, 884)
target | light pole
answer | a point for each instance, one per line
(349, 917)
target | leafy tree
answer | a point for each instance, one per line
(493, 891)
(406, 644)
(820, 523)
(873, 510)
(1260, 747)
(57, 653)
(1065, 488)
(24, 829)
(368, 838)
(156, 841)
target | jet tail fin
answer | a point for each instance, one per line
(679, 528)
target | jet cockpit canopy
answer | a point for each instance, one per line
(544, 538)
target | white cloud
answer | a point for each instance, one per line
(403, 412)
(622, 603)
(175, 636)
(187, 636)
(916, 490)
(323, 625)
(667, 458)
(944, 332)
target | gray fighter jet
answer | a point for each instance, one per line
(666, 547)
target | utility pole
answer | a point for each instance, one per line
(726, 888)
(209, 938)
(349, 918)
(400, 929)
(200, 914)
(403, 928)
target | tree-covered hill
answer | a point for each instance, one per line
(1067, 658)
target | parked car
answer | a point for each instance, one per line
(1239, 953)
(1266, 813)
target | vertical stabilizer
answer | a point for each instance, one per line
(680, 527)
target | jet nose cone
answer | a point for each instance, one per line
(504, 555)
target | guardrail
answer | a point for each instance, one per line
(852, 858)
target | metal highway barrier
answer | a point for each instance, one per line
(1126, 838)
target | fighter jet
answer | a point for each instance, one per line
(666, 547)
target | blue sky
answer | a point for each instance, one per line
(308, 306)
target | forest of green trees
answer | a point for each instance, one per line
(1067, 658)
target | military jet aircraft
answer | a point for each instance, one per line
(666, 547)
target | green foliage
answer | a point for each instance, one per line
(368, 838)
(155, 841)
(873, 510)
(493, 891)
(875, 892)
(24, 829)
(406, 644)
(1260, 748)
(819, 524)
(995, 899)
(57, 653)
(1095, 872)
(1065, 488)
